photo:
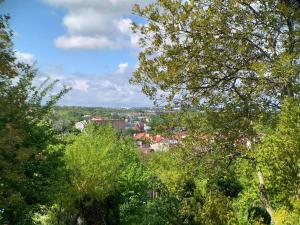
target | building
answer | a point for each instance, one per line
(157, 143)
(151, 143)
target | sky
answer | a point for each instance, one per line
(86, 44)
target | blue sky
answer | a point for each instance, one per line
(87, 44)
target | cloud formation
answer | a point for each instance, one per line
(25, 57)
(96, 24)
(81, 85)
(110, 90)
(122, 67)
(83, 42)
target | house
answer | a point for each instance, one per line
(157, 143)
(151, 143)
(140, 136)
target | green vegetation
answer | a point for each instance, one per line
(29, 169)
(233, 68)
(237, 61)
(65, 117)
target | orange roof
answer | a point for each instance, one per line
(157, 138)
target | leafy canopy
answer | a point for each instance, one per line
(217, 53)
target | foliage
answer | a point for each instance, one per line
(236, 61)
(280, 153)
(28, 171)
(99, 154)
(279, 156)
(8, 67)
(106, 176)
(233, 66)
(195, 194)
(104, 172)
(183, 41)
(166, 123)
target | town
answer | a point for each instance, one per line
(138, 126)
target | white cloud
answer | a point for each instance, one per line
(25, 57)
(122, 67)
(81, 85)
(124, 25)
(111, 90)
(84, 42)
(88, 19)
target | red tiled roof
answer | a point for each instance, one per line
(157, 138)
(153, 138)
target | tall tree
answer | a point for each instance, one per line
(237, 57)
(102, 169)
(219, 52)
(25, 163)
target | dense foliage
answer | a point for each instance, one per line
(238, 52)
(236, 61)
(28, 170)
(233, 69)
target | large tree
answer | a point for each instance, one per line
(237, 59)
(28, 172)
(105, 172)
(219, 52)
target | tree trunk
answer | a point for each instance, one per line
(74, 219)
(262, 187)
(264, 195)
